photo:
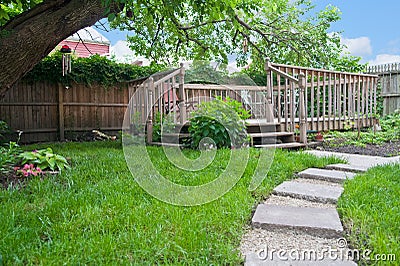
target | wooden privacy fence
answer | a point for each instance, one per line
(48, 112)
(389, 77)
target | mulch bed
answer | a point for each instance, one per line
(387, 149)
(11, 179)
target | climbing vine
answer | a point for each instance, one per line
(92, 70)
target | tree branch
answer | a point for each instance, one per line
(35, 33)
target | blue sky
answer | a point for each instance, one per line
(369, 28)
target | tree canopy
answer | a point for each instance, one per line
(164, 30)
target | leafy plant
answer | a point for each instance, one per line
(44, 159)
(162, 124)
(391, 121)
(8, 156)
(390, 132)
(219, 121)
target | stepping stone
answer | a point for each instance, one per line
(309, 191)
(327, 175)
(314, 221)
(347, 167)
(254, 259)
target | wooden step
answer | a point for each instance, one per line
(266, 138)
(290, 145)
(270, 134)
(254, 126)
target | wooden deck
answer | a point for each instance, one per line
(296, 99)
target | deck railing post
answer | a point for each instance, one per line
(149, 109)
(182, 95)
(269, 115)
(303, 122)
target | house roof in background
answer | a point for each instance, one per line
(89, 35)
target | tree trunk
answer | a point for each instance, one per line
(29, 37)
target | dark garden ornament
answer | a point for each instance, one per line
(66, 59)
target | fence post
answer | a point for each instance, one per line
(303, 122)
(149, 109)
(61, 111)
(182, 104)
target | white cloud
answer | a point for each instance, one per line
(124, 54)
(385, 59)
(358, 46)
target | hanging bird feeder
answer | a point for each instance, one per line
(66, 59)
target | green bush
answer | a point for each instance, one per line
(220, 121)
(391, 122)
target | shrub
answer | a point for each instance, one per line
(220, 121)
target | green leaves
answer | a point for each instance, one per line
(8, 156)
(282, 30)
(45, 159)
(12, 8)
(220, 121)
(95, 69)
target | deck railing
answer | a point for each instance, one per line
(332, 100)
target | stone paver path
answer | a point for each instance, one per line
(299, 223)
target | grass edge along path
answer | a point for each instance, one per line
(95, 213)
(370, 211)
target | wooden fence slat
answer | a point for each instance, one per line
(345, 100)
(61, 112)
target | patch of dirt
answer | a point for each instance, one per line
(387, 149)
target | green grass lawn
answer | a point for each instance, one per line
(96, 213)
(370, 209)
